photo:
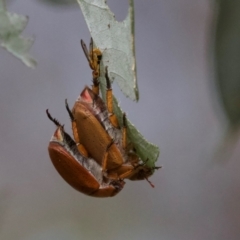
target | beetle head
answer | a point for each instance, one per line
(143, 172)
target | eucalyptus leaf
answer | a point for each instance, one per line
(116, 41)
(11, 26)
(227, 58)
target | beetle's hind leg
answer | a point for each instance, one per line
(80, 147)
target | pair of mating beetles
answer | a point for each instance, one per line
(100, 157)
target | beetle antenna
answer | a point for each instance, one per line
(54, 120)
(107, 78)
(69, 111)
(150, 182)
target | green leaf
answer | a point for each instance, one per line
(116, 41)
(147, 151)
(11, 26)
(227, 59)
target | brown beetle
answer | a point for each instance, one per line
(83, 174)
(96, 130)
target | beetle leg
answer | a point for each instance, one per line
(124, 132)
(122, 172)
(105, 157)
(94, 57)
(54, 120)
(80, 147)
(114, 173)
(126, 174)
(95, 65)
(95, 86)
(109, 101)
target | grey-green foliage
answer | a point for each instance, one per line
(227, 58)
(115, 40)
(11, 26)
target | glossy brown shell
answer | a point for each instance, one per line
(71, 168)
(94, 138)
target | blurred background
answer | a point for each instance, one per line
(196, 194)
